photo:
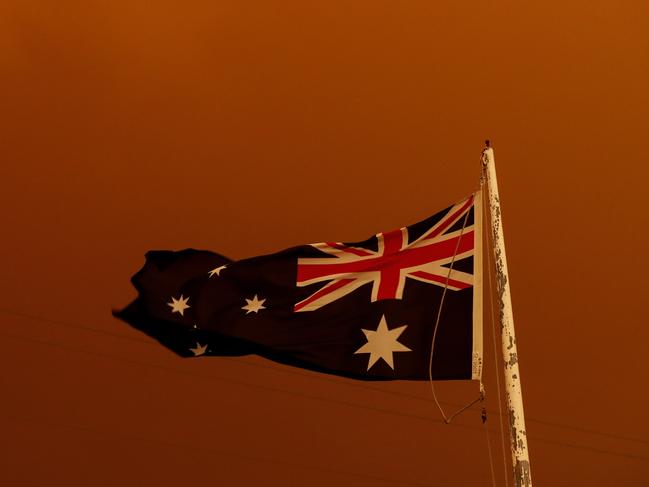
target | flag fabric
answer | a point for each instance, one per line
(365, 310)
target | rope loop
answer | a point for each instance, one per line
(448, 419)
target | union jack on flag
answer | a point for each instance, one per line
(426, 258)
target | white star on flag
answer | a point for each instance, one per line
(382, 343)
(199, 350)
(254, 305)
(217, 271)
(179, 305)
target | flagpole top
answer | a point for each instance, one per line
(486, 152)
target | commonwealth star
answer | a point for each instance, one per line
(382, 343)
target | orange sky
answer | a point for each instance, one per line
(247, 127)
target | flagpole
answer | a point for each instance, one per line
(518, 433)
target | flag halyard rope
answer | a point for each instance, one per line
(448, 419)
(491, 458)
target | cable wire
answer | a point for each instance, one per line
(320, 377)
(184, 447)
(298, 394)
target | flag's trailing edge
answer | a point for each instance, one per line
(364, 310)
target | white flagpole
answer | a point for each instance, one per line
(518, 433)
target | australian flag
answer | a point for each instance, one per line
(365, 310)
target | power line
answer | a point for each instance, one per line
(220, 451)
(299, 394)
(283, 370)
(78, 326)
(322, 378)
(223, 379)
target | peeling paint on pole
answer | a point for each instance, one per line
(518, 433)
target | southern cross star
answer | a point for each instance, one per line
(179, 305)
(382, 343)
(254, 305)
(199, 350)
(217, 271)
